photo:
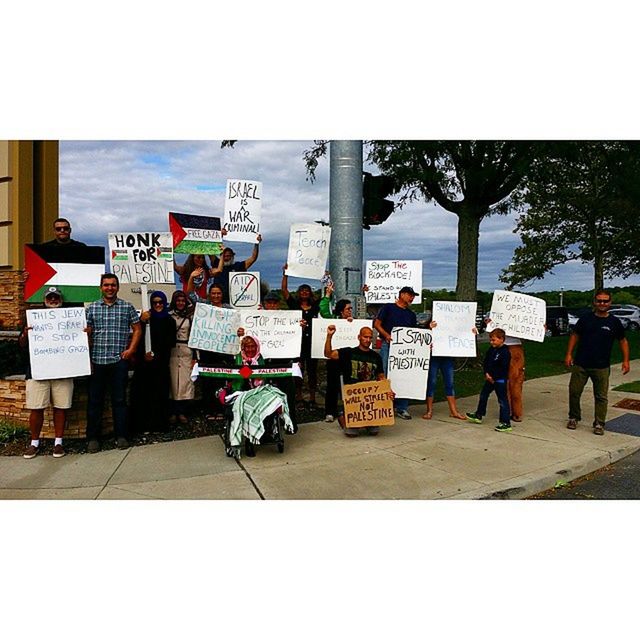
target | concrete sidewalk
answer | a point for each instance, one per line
(416, 459)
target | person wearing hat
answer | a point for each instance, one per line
(42, 393)
(393, 315)
(227, 264)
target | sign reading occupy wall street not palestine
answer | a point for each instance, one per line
(308, 250)
(385, 278)
(142, 257)
(368, 404)
(520, 315)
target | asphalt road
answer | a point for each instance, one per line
(619, 481)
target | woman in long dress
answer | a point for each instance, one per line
(182, 359)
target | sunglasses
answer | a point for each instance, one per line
(157, 302)
(65, 228)
(601, 301)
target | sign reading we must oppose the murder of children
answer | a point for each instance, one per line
(142, 257)
(242, 210)
(385, 278)
(408, 366)
(520, 315)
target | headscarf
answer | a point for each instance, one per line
(165, 310)
(245, 358)
(187, 311)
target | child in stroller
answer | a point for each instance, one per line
(255, 411)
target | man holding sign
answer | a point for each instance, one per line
(227, 264)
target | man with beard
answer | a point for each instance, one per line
(226, 264)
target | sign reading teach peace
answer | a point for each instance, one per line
(454, 335)
(142, 257)
(368, 404)
(520, 315)
(308, 250)
(385, 278)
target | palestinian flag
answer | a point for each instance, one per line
(75, 270)
(195, 234)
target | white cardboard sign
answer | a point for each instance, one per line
(453, 335)
(244, 289)
(144, 257)
(279, 332)
(58, 344)
(242, 210)
(520, 315)
(409, 356)
(215, 329)
(385, 278)
(346, 334)
(308, 250)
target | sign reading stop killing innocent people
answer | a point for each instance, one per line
(215, 329)
(244, 289)
(142, 257)
(368, 404)
(408, 367)
(385, 278)
(58, 343)
(242, 208)
(308, 250)
(346, 334)
(453, 336)
(520, 315)
(279, 332)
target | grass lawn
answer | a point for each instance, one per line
(629, 387)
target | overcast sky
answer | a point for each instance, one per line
(111, 186)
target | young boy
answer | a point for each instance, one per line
(496, 369)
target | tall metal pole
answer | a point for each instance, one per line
(345, 218)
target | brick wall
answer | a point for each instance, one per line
(12, 303)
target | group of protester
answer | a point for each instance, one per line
(162, 385)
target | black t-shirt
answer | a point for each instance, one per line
(597, 335)
(357, 365)
(391, 315)
(307, 315)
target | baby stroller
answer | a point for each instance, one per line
(255, 417)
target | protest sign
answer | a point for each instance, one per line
(58, 344)
(453, 335)
(195, 234)
(346, 334)
(142, 257)
(242, 207)
(520, 315)
(385, 278)
(368, 404)
(244, 289)
(308, 250)
(408, 367)
(279, 332)
(215, 329)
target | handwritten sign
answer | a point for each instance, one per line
(368, 404)
(215, 329)
(346, 334)
(385, 278)
(142, 257)
(453, 335)
(195, 234)
(244, 289)
(308, 250)
(242, 207)
(520, 315)
(408, 367)
(58, 344)
(279, 332)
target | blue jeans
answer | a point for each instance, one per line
(444, 364)
(114, 377)
(500, 387)
(401, 404)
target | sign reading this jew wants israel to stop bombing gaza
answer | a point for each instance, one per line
(385, 278)
(308, 250)
(142, 257)
(195, 234)
(520, 315)
(242, 208)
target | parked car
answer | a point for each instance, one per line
(557, 321)
(423, 319)
(630, 318)
(575, 314)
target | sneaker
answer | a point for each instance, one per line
(93, 446)
(572, 424)
(598, 428)
(58, 451)
(30, 452)
(182, 419)
(404, 414)
(503, 426)
(329, 418)
(474, 417)
(122, 443)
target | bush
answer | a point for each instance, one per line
(11, 432)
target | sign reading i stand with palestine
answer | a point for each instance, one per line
(75, 271)
(195, 234)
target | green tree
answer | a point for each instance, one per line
(581, 202)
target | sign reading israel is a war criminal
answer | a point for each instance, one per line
(409, 355)
(195, 234)
(215, 329)
(385, 278)
(346, 334)
(244, 289)
(142, 257)
(308, 250)
(242, 207)
(368, 404)
(58, 343)
(454, 335)
(520, 315)
(279, 332)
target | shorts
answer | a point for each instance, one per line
(42, 393)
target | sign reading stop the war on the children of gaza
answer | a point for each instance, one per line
(346, 334)
(215, 329)
(368, 404)
(242, 210)
(520, 315)
(308, 250)
(279, 332)
(408, 365)
(454, 333)
(58, 343)
(142, 257)
(385, 278)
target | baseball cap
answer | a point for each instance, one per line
(408, 290)
(272, 295)
(52, 291)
